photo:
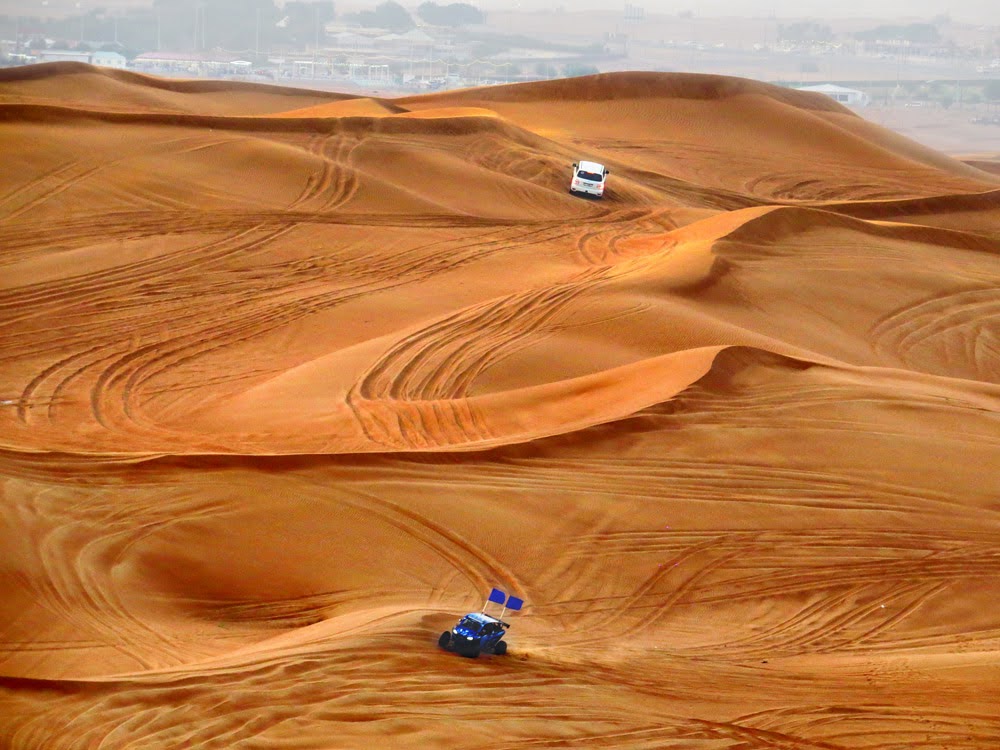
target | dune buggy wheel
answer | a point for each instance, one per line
(445, 640)
(501, 648)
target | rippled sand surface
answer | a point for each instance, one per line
(290, 379)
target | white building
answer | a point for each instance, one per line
(108, 59)
(850, 97)
(63, 55)
(208, 65)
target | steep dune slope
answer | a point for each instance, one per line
(291, 379)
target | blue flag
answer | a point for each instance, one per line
(497, 596)
(514, 603)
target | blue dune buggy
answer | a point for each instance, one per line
(478, 632)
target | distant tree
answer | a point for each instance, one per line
(489, 48)
(235, 25)
(578, 69)
(455, 14)
(546, 70)
(232, 24)
(914, 32)
(304, 23)
(387, 15)
(804, 31)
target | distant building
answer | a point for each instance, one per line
(63, 55)
(850, 97)
(414, 38)
(108, 59)
(349, 40)
(190, 63)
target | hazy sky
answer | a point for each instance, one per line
(985, 12)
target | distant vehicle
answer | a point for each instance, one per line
(478, 632)
(589, 177)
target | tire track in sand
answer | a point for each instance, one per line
(961, 328)
(67, 175)
(860, 588)
(480, 568)
(54, 381)
(336, 182)
(415, 394)
(881, 727)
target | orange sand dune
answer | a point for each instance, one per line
(360, 107)
(79, 85)
(291, 379)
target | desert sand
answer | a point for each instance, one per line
(290, 379)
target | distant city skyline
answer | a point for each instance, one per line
(985, 12)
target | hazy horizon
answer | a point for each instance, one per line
(982, 12)
(979, 12)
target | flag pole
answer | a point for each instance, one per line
(496, 596)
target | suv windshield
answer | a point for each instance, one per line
(592, 176)
(471, 624)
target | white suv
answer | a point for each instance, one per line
(589, 177)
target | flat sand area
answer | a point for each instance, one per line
(290, 379)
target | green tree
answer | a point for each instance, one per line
(387, 15)
(992, 90)
(455, 14)
(805, 31)
(234, 25)
(546, 70)
(579, 69)
(304, 23)
(489, 48)
(913, 32)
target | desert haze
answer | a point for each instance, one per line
(290, 379)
